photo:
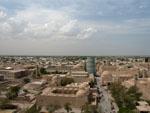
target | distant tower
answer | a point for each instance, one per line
(90, 65)
(37, 71)
(147, 59)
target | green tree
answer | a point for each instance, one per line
(118, 92)
(52, 108)
(125, 98)
(126, 110)
(133, 91)
(26, 80)
(92, 83)
(43, 71)
(33, 109)
(87, 108)
(64, 81)
(67, 107)
(132, 96)
(13, 92)
(4, 102)
(148, 101)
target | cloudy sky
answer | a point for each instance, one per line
(75, 27)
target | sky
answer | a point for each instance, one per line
(75, 27)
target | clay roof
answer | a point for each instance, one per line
(143, 108)
(106, 73)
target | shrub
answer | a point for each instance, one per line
(66, 80)
(26, 80)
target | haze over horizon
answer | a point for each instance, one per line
(75, 27)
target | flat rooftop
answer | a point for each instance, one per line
(7, 111)
(143, 103)
(65, 91)
(60, 91)
(143, 108)
(79, 73)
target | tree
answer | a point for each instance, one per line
(126, 110)
(15, 89)
(67, 107)
(33, 109)
(52, 108)
(64, 81)
(125, 98)
(118, 91)
(43, 71)
(148, 101)
(92, 83)
(132, 96)
(5, 104)
(13, 92)
(26, 80)
(87, 108)
(133, 91)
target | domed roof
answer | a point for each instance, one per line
(106, 73)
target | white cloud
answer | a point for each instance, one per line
(43, 23)
(2, 14)
(86, 33)
(66, 26)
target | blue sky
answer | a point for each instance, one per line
(75, 27)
